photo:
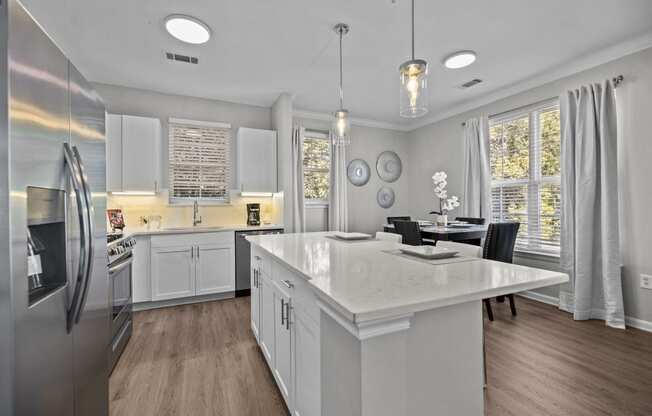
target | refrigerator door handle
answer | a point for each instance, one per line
(80, 197)
(90, 240)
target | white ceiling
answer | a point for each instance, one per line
(262, 48)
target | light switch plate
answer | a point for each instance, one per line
(646, 281)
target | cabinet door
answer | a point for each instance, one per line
(173, 272)
(141, 138)
(306, 356)
(255, 303)
(140, 279)
(257, 160)
(283, 344)
(215, 269)
(267, 319)
(113, 153)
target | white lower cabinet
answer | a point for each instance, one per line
(283, 341)
(214, 271)
(141, 284)
(188, 265)
(307, 367)
(287, 333)
(255, 302)
(267, 320)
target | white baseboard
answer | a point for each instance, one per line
(551, 300)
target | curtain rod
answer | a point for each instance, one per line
(617, 80)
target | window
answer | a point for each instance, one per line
(524, 151)
(316, 166)
(199, 161)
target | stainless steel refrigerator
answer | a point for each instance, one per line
(54, 299)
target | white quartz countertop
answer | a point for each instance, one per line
(363, 283)
(199, 229)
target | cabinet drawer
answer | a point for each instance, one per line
(261, 261)
(193, 239)
(303, 298)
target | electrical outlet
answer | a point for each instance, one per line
(646, 281)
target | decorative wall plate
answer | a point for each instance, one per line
(389, 166)
(358, 172)
(385, 197)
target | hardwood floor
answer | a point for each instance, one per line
(202, 360)
(194, 360)
(543, 363)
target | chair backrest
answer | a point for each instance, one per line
(468, 250)
(397, 238)
(500, 240)
(391, 220)
(410, 231)
(471, 220)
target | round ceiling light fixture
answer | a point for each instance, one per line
(460, 59)
(187, 29)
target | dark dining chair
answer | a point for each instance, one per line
(410, 231)
(391, 220)
(499, 246)
(471, 220)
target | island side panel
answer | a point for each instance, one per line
(431, 367)
(340, 370)
(445, 361)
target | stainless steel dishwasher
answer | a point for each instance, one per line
(243, 259)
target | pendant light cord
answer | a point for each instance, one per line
(341, 89)
(413, 30)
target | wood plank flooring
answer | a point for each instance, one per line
(202, 360)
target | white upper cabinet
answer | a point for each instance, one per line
(133, 153)
(257, 170)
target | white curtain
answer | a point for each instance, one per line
(590, 251)
(338, 217)
(296, 193)
(477, 173)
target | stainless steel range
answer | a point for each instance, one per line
(120, 252)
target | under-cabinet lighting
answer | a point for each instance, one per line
(134, 193)
(256, 194)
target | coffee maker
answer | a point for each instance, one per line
(253, 214)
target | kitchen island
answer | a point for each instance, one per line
(352, 328)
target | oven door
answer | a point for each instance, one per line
(120, 280)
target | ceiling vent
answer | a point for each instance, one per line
(181, 58)
(471, 83)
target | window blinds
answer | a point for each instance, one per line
(525, 165)
(199, 160)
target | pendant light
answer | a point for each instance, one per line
(341, 128)
(414, 84)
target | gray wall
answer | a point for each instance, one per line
(132, 101)
(439, 147)
(367, 143)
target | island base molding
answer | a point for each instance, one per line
(427, 363)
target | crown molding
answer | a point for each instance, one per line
(570, 68)
(311, 115)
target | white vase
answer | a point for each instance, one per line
(442, 220)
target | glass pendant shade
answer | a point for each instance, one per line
(414, 88)
(341, 128)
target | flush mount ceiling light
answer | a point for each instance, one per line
(187, 29)
(460, 59)
(341, 121)
(414, 84)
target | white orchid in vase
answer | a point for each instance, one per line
(445, 204)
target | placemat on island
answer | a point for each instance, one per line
(359, 240)
(434, 262)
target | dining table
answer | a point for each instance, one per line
(467, 233)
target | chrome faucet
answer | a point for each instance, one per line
(196, 218)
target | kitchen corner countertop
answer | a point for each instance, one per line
(364, 283)
(199, 229)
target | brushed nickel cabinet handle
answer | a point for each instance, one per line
(282, 311)
(287, 283)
